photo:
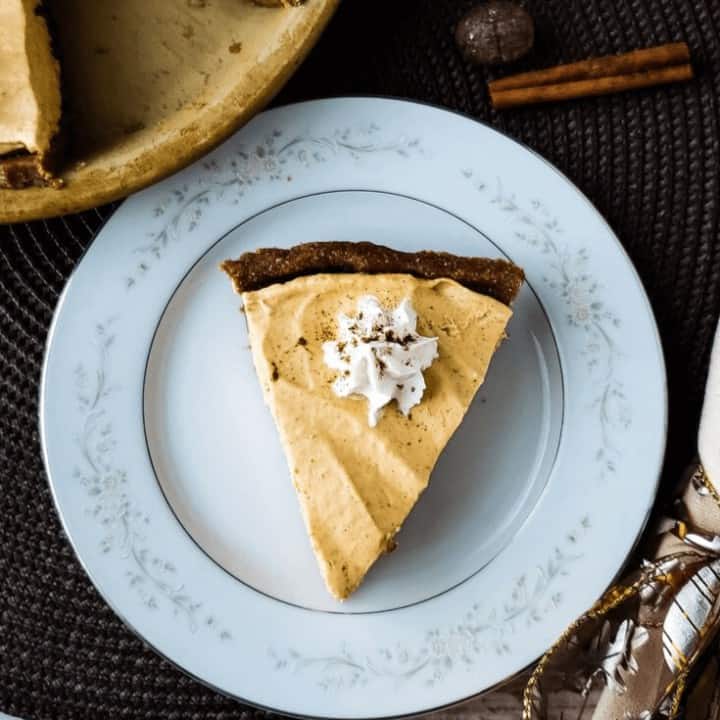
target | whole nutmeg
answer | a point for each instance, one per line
(495, 32)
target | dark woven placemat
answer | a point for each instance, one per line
(650, 161)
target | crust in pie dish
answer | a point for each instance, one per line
(23, 170)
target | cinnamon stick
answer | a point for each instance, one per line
(502, 99)
(607, 65)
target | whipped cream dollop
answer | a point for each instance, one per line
(380, 355)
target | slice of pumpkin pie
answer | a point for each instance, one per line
(368, 359)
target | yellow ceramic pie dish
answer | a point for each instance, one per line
(150, 86)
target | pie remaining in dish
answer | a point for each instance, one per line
(413, 332)
(35, 128)
(30, 103)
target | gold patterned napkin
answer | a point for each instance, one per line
(634, 655)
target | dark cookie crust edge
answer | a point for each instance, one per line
(499, 279)
(25, 170)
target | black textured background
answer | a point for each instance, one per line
(648, 159)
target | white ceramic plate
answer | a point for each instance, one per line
(168, 473)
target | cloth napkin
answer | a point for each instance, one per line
(634, 655)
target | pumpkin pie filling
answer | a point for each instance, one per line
(357, 482)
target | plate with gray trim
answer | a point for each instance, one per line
(168, 473)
